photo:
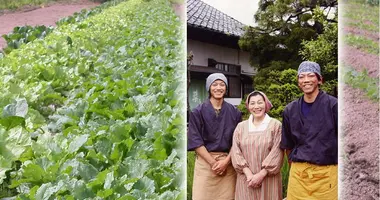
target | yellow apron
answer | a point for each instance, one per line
(312, 182)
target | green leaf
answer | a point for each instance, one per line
(130, 109)
(12, 121)
(104, 146)
(87, 171)
(129, 143)
(2, 173)
(77, 142)
(19, 136)
(14, 89)
(100, 178)
(17, 143)
(33, 192)
(108, 181)
(69, 197)
(34, 173)
(168, 195)
(47, 190)
(42, 190)
(127, 197)
(159, 150)
(69, 41)
(134, 168)
(27, 154)
(145, 184)
(80, 191)
(105, 193)
(177, 121)
(116, 153)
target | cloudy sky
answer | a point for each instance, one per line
(241, 10)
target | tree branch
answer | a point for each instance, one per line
(332, 20)
(308, 8)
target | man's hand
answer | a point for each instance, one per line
(220, 166)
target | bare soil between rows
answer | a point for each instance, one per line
(180, 10)
(348, 20)
(357, 31)
(361, 144)
(360, 60)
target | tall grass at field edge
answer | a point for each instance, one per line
(16, 4)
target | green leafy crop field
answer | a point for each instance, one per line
(92, 110)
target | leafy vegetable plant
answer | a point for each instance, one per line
(25, 34)
(362, 81)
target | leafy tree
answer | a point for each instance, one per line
(289, 32)
(282, 26)
(283, 90)
(324, 50)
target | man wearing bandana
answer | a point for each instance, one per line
(310, 138)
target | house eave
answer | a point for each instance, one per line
(212, 37)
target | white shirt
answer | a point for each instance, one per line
(263, 125)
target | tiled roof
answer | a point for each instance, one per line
(200, 14)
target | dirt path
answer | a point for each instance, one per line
(361, 139)
(357, 31)
(359, 60)
(41, 16)
(180, 10)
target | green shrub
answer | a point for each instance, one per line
(373, 2)
(15, 4)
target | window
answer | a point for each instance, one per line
(234, 87)
(227, 67)
(248, 88)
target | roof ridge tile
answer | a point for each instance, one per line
(202, 15)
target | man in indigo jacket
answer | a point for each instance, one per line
(310, 138)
